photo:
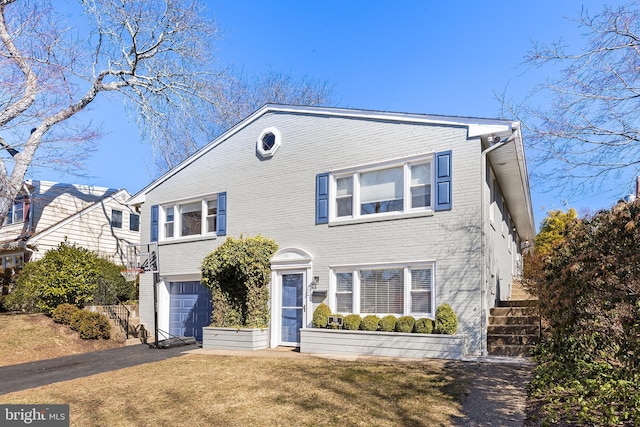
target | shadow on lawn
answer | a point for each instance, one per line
(395, 393)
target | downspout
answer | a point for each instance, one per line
(483, 214)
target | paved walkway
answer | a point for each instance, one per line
(497, 397)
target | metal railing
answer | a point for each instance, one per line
(114, 308)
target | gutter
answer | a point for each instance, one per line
(484, 245)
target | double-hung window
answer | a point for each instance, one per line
(116, 218)
(399, 187)
(16, 213)
(191, 218)
(385, 289)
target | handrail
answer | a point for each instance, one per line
(114, 307)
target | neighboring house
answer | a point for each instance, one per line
(47, 213)
(374, 213)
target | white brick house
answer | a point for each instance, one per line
(374, 212)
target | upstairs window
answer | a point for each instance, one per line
(268, 142)
(17, 212)
(116, 218)
(401, 188)
(192, 218)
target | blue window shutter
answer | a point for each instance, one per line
(322, 198)
(154, 223)
(221, 227)
(443, 181)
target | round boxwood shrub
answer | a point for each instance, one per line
(405, 324)
(352, 322)
(335, 325)
(91, 325)
(423, 326)
(388, 323)
(446, 320)
(321, 316)
(63, 313)
(370, 323)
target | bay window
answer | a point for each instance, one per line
(384, 289)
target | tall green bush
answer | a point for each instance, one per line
(446, 320)
(238, 273)
(110, 276)
(66, 274)
(321, 316)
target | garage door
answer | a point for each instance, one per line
(190, 309)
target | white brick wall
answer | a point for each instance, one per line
(276, 198)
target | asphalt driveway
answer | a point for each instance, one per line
(35, 374)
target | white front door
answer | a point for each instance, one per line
(292, 306)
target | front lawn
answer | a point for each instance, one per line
(205, 390)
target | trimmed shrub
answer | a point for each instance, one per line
(63, 313)
(423, 326)
(321, 316)
(335, 325)
(446, 320)
(91, 325)
(352, 322)
(370, 323)
(238, 273)
(388, 323)
(405, 324)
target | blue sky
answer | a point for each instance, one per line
(418, 56)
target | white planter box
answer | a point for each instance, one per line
(390, 344)
(234, 339)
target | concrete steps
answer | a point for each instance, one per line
(116, 331)
(514, 328)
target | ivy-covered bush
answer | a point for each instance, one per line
(405, 324)
(91, 325)
(370, 323)
(321, 316)
(64, 313)
(423, 326)
(66, 274)
(388, 323)
(238, 273)
(589, 297)
(446, 320)
(352, 322)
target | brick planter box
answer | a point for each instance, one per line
(389, 344)
(234, 339)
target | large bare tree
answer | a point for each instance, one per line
(584, 122)
(236, 95)
(54, 64)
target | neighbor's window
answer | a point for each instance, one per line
(16, 213)
(116, 218)
(398, 290)
(134, 222)
(404, 187)
(198, 217)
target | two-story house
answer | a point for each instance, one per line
(47, 213)
(388, 213)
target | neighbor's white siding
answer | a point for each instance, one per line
(276, 198)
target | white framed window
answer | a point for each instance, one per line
(16, 213)
(189, 218)
(398, 289)
(395, 187)
(116, 218)
(268, 142)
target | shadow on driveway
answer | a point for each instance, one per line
(35, 374)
